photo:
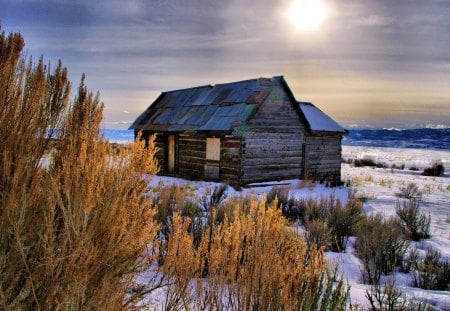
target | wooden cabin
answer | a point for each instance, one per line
(242, 132)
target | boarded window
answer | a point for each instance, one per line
(212, 168)
(213, 149)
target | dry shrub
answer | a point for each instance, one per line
(341, 220)
(318, 233)
(380, 246)
(389, 297)
(279, 193)
(411, 191)
(431, 272)
(364, 162)
(171, 199)
(73, 235)
(253, 262)
(217, 196)
(414, 223)
(437, 169)
(181, 264)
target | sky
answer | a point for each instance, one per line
(370, 63)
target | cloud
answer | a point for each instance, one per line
(375, 20)
(133, 50)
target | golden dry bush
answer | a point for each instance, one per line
(251, 261)
(75, 228)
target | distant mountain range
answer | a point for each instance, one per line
(411, 138)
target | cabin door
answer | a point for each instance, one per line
(171, 154)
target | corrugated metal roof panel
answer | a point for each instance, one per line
(165, 117)
(225, 111)
(165, 101)
(218, 123)
(192, 111)
(218, 107)
(202, 116)
(239, 94)
(200, 99)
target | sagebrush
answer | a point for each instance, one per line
(252, 262)
(73, 232)
(380, 246)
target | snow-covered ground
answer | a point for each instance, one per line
(379, 186)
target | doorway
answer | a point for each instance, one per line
(171, 154)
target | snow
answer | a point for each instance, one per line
(380, 186)
(318, 120)
(295, 187)
(383, 184)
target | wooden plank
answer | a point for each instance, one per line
(288, 136)
(192, 160)
(267, 176)
(230, 152)
(231, 144)
(255, 153)
(192, 153)
(212, 171)
(272, 143)
(282, 160)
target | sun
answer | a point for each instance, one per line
(307, 15)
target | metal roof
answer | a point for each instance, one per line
(222, 107)
(319, 121)
(217, 107)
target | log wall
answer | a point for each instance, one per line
(193, 163)
(323, 157)
(190, 158)
(273, 141)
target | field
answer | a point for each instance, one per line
(378, 188)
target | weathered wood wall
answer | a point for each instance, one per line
(193, 162)
(273, 141)
(323, 157)
(190, 159)
(191, 156)
(230, 160)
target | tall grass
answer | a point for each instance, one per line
(73, 234)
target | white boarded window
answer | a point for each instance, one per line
(213, 149)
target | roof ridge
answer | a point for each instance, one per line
(221, 84)
(187, 88)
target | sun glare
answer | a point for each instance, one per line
(307, 15)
